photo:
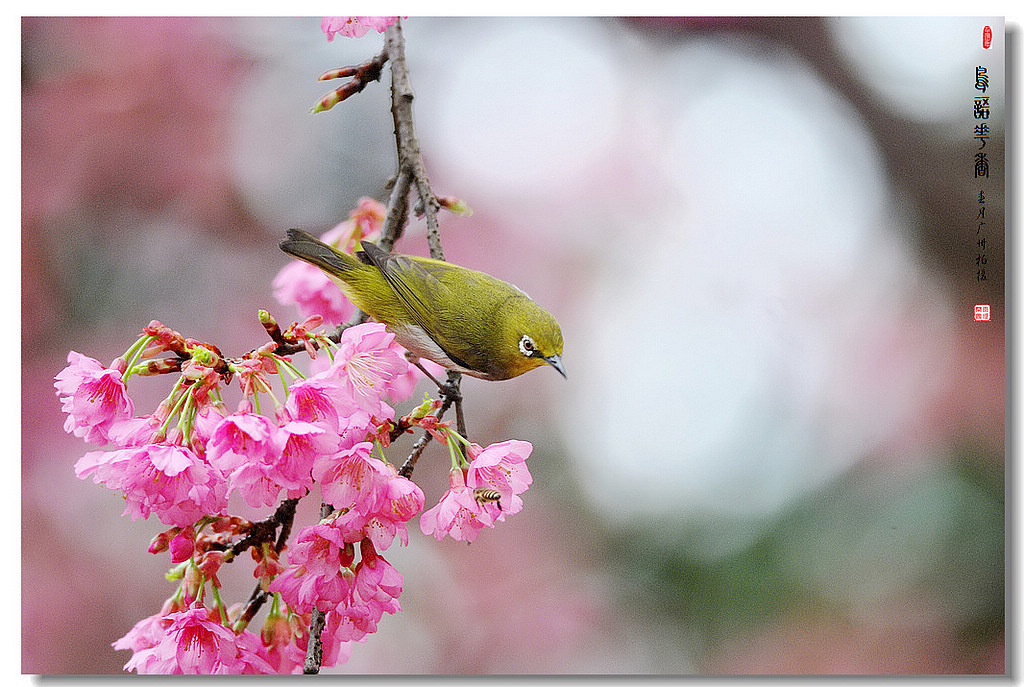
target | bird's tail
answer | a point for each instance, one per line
(307, 247)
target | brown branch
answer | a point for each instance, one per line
(361, 75)
(450, 394)
(410, 162)
(398, 211)
(273, 328)
(315, 645)
(260, 532)
(417, 451)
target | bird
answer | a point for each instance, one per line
(461, 319)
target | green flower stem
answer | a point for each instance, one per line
(134, 352)
(327, 345)
(186, 415)
(175, 408)
(458, 459)
(220, 606)
(458, 436)
(286, 364)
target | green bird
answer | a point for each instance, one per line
(459, 318)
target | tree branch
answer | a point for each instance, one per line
(283, 516)
(315, 645)
(410, 162)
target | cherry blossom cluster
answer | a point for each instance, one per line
(190, 460)
(354, 27)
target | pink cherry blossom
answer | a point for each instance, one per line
(94, 397)
(347, 623)
(360, 426)
(318, 400)
(316, 572)
(261, 458)
(458, 514)
(354, 27)
(364, 223)
(166, 479)
(368, 217)
(375, 589)
(501, 467)
(377, 500)
(336, 642)
(146, 633)
(351, 523)
(204, 422)
(196, 643)
(137, 431)
(182, 545)
(323, 401)
(253, 374)
(366, 366)
(377, 584)
(202, 372)
(353, 479)
(303, 444)
(402, 501)
(239, 439)
(281, 634)
(305, 332)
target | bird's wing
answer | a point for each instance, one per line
(421, 291)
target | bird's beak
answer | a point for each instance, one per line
(555, 362)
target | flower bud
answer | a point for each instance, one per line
(183, 545)
(161, 541)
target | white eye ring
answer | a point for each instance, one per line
(527, 347)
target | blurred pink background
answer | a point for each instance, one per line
(780, 447)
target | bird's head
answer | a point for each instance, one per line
(531, 338)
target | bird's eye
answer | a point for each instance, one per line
(526, 346)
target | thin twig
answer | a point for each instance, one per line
(410, 161)
(315, 645)
(397, 213)
(417, 451)
(361, 74)
(411, 171)
(450, 395)
(283, 516)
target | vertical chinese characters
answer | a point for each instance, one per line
(981, 167)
